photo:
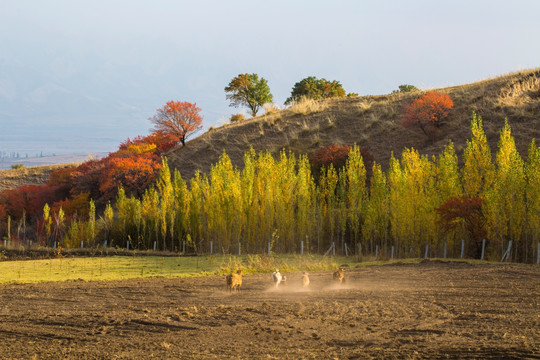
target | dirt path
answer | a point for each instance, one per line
(431, 310)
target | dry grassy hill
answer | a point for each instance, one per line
(13, 178)
(373, 121)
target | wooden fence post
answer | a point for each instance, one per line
(444, 253)
(507, 252)
(155, 244)
(462, 247)
(82, 244)
(426, 252)
(239, 248)
(346, 249)
(376, 252)
(269, 247)
(211, 247)
(483, 248)
(392, 254)
(302, 247)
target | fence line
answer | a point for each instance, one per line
(381, 253)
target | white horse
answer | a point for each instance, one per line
(276, 278)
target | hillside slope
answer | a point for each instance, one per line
(37, 175)
(373, 121)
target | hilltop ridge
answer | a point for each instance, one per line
(375, 122)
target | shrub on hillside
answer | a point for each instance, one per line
(428, 111)
(335, 155)
(405, 88)
(236, 118)
(270, 108)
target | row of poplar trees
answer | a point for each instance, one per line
(278, 202)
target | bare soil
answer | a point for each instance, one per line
(432, 310)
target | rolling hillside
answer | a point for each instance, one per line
(373, 121)
(37, 175)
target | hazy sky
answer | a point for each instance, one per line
(80, 76)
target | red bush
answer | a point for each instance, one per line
(427, 111)
(332, 154)
(28, 200)
(134, 174)
(78, 205)
(163, 142)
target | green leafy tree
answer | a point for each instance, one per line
(315, 89)
(248, 90)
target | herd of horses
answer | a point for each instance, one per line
(234, 280)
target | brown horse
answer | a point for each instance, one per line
(340, 275)
(234, 281)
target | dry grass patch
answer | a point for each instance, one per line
(271, 108)
(308, 106)
(521, 91)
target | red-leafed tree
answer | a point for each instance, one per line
(466, 210)
(177, 118)
(337, 156)
(133, 173)
(428, 111)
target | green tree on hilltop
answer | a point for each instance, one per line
(248, 90)
(316, 89)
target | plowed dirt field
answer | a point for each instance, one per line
(431, 310)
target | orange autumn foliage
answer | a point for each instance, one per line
(134, 174)
(427, 111)
(180, 119)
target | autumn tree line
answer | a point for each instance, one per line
(417, 201)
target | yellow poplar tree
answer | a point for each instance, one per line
(181, 208)
(328, 201)
(478, 169)
(356, 194)
(532, 172)
(448, 183)
(421, 197)
(166, 203)
(248, 206)
(377, 210)
(505, 202)
(401, 214)
(305, 214)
